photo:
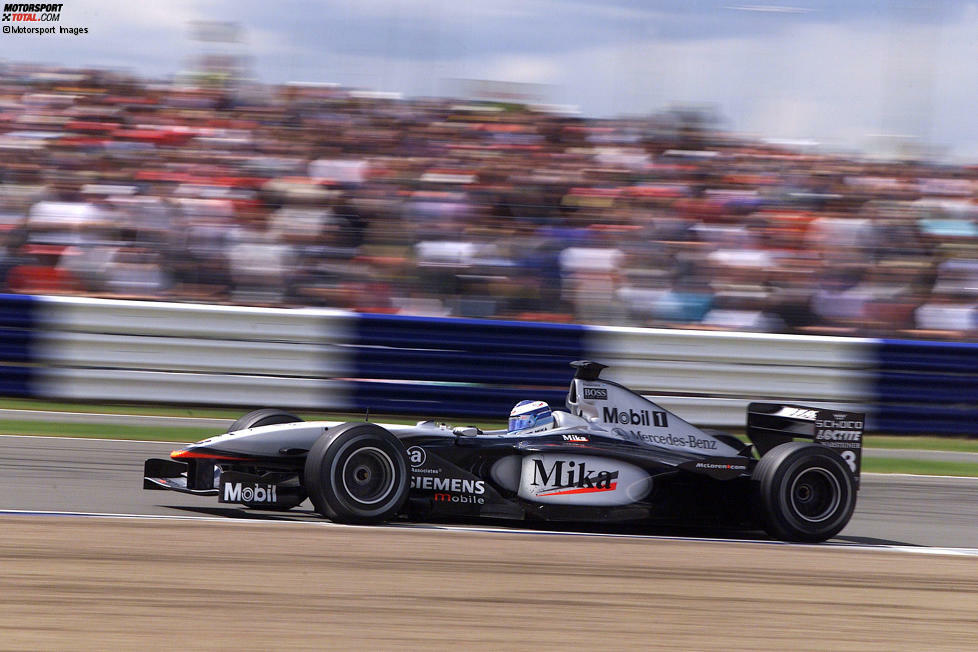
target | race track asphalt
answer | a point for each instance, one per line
(188, 573)
(45, 474)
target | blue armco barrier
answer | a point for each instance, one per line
(96, 349)
(495, 363)
(927, 387)
(18, 311)
(17, 327)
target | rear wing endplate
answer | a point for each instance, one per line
(772, 424)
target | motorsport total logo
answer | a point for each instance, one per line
(27, 15)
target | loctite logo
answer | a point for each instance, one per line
(568, 477)
(237, 492)
(838, 435)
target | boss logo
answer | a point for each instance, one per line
(596, 393)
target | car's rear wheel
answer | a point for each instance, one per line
(357, 473)
(262, 417)
(804, 492)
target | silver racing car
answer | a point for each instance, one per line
(611, 456)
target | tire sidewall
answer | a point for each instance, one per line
(774, 479)
(324, 468)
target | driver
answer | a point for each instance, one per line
(529, 417)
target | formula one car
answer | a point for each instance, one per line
(613, 456)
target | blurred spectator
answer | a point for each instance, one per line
(319, 195)
(38, 272)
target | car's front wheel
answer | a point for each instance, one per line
(804, 492)
(262, 417)
(357, 473)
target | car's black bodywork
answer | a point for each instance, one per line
(613, 457)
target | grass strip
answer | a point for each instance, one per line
(918, 467)
(120, 408)
(950, 444)
(95, 430)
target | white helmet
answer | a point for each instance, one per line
(530, 416)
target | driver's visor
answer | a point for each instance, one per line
(522, 421)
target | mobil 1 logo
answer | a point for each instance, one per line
(635, 417)
(247, 489)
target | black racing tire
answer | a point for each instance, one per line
(803, 492)
(357, 473)
(262, 417)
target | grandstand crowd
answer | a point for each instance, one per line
(315, 195)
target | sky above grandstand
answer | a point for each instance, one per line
(838, 72)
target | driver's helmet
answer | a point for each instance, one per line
(530, 416)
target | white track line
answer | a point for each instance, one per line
(918, 550)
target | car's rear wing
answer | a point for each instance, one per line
(772, 424)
